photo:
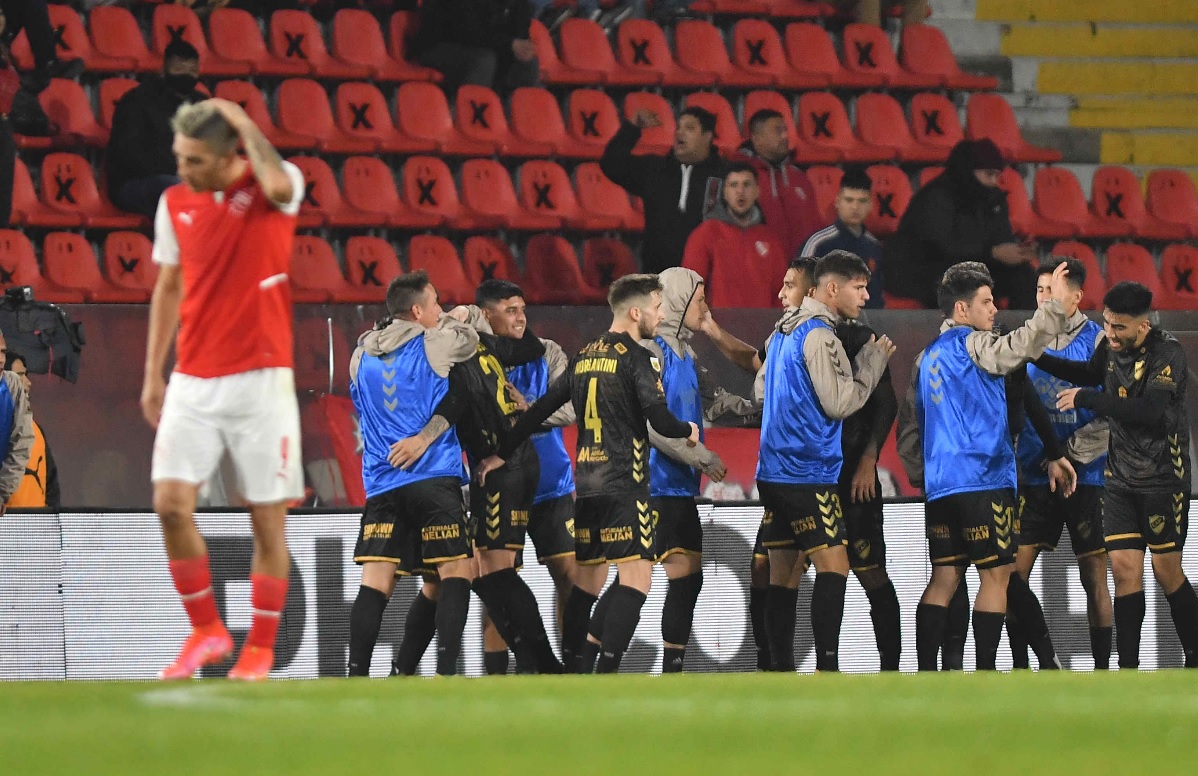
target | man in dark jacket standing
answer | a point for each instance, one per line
(479, 42)
(961, 216)
(674, 187)
(141, 161)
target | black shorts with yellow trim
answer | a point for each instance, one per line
(1044, 515)
(977, 527)
(863, 526)
(1156, 521)
(551, 527)
(676, 526)
(501, 507)
(613, 529)
(416, 526)
(759, 550)
(807, 518)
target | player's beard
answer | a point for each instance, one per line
(644, 330)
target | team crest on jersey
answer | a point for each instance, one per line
(653, 362)
(1139, 371)
(241, 202)
(762, 247)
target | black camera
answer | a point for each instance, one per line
(19, 293)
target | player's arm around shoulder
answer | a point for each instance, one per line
(20, 440)
(450, 342)
(558, 364)
(1001, 354)
(907, 438)
(842, 392)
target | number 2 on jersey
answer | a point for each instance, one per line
(591, 419)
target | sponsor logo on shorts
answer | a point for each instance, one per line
(621, 533)
(979, 533)
(582, 535)
(803, 524)
(434, 533)
(519, 517)
(377, 531)
(939, 532)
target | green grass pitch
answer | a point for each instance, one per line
(1017, 724)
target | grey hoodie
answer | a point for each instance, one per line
(448, 343)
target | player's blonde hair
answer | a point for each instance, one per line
(201, 121)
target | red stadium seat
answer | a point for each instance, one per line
(654, 140)
(1128, 261)
(929, 174)
(757, 48)
(70, 42)
(700, 48)
(536, 120)
(591, 120)
(552, 276)
(1116, 198)
(867, 50)
(604, 260)
(1172, 198)
(371, 264)
(487, 189)
(429, 189)
(358, 41)
(990, 116)
(116, 36)
(766, 100)
(892, 194)
(70, 262)
(69, 187)
(68, 106)
(128, 262)
(362, 114)
(369, 186)
(827, 135)
(422, 115)
(296, 38)
(826, 182)
(934, 122)
(545, 189)
(1058, 196)
(796, 9)
(489, 257)
(252, 100)
(729, 7)
(399, 33)
(111, 92)
(727, 133)
(585, 48)
(600, 198)
(437, 256)
(641, 45)
(237, 39)
(925, 51)
(880, 122)
(303, 109)
(1025, 221)
(478, 116)
(1095, 285)
(1179, 281)
(18, 267)
(179, 22)
(28, 210)
(811, 52)
(315, 275)
(553, 70)
(323, 204)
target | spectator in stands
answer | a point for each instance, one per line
(16, 430)
(674, 187)
(741, 260)
(480, 42)
(961, 215)
(787, 199)
(33, 16)
(39, 486)
(141, 163)
(870, 11)
(854, 202)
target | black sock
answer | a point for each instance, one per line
(585, 664)
(527, 622)
(452, 608)
(884, 612)
(987, 630)
(574, 625)
(1100, 645)
(1183, 605)
(929, 633)
(1017, 640)
(495, 663)
(365, 619)
(780, 603)
(956, 628)
(827, 615)
(418, 630)
(1129, 620)
(677, 615)
(1030, 615)
(757, 618)
(490, 589)
(622, 617)
(599, 613)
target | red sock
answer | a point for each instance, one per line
(194, 583)
(269, 595)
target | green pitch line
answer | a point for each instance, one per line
(722, 724)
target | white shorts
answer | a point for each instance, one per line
(253, 415)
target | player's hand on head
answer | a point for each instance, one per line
(488, 465)
(1066, 399)
(153, 391)
(233, 113)
(406, 452)
(693, 439)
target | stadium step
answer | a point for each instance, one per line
(1123, 112)
(1116, 76)
(1157, 11)
(1156, 148)
(1081, 39)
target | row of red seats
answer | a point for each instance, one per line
(1174, 287)
(71, 271)
(803, 58)
(68, 197)
(543, 200)
(296, 44)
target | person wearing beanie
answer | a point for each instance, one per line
(960, 216)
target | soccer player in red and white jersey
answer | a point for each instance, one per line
(223, 242)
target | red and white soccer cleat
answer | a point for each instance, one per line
(254, 664)
(202, 648)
